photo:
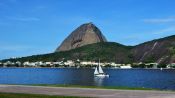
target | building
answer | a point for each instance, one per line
(126, 67)
(69, 63)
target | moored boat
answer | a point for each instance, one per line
(99, 71)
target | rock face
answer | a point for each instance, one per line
(160, 51)
(85, 34)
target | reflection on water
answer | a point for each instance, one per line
(98, 81)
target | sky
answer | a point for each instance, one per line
(30, 27)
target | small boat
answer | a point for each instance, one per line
(99, 71)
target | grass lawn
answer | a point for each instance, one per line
(98, 87)
(14, 95)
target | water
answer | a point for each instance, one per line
(147, 78)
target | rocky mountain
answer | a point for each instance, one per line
(88, 43)
(85, 34)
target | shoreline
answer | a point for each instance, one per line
(89, 68)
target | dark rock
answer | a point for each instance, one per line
(160, 51)
(83, 35)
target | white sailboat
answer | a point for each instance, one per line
(99, 71)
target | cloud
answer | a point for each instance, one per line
(24, 19)
(166, 30)
(160, 20)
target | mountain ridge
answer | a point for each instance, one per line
(164, 50)
(88, 43)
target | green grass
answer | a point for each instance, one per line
(14, 95)
(97, 87)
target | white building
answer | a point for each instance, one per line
(126, 67)
(26, 63)
(30, 64)
(39, 63)
(8, 63)
(151, 64)
(70, 63)
(172, 65)
(48, 63)
(86, 63)
(18, 63)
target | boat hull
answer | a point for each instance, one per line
(101, 75)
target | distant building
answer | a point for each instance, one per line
(172, 65)
(39, 63)
(18, 63)
(26, 63)
(8, 63)
(29, 64)
(126, 67)
(69, 63)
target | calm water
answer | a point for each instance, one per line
(148, 78)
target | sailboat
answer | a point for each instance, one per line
(99, 71)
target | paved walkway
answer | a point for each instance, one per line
(99, 93)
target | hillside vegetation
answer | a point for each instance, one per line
(159, 50)
(106, 51)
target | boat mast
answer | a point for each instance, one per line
(100, 70)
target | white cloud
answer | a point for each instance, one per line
(166, 30)
(160, 20)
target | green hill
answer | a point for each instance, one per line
(159, 50)
(106, 51)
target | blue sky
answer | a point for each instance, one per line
(29, 27)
